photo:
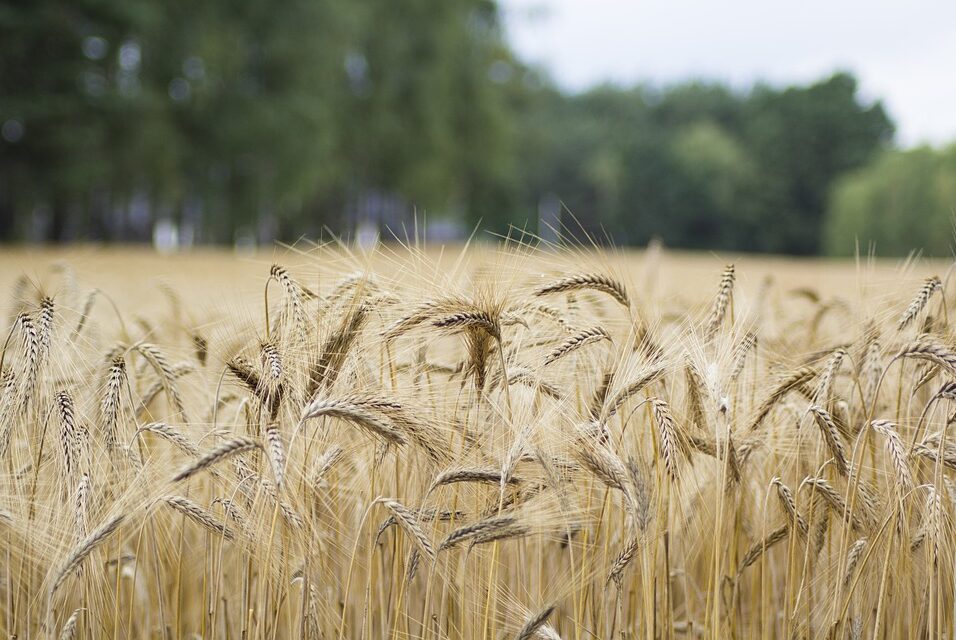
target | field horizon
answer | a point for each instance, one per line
(106, 262)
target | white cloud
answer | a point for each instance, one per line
(902, 52)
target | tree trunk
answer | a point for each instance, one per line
(59, 213)
(7, 220)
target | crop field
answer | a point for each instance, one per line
(485, 442)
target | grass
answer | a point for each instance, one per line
(513, 442)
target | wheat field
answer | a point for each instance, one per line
(489, 442)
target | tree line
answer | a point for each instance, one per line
(245, 120)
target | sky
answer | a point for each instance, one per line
(903, 52)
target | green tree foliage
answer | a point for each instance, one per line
(904, 201)
(804, 138)
(245, 119)
(701, 166)
(254, 96)
(426, 120)
(66, 126)
(242, 116)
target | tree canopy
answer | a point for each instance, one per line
(245, 119)
(701, 166)
(905, 200)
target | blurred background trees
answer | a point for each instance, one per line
(245, 121)
(904, 199)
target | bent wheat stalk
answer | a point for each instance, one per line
(577, 282)
(84, 549)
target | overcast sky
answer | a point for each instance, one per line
(903, 52)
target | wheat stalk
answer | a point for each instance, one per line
(894, 447)
(272, 360)
(834, 500)
(199, 515)
(832, 437)
(621, 562)
(535, 623)
(84, 549)
(276, 453)
(747, 344)
(72, 435)
(929, 349)
(668, 440)
(81, 506)
(407, 519)
(725, 292)
(453, 476)
(758, 549)
(158, 360)
(157, 387)
(789, 382)
(68, 632)
(116, 377)
(822, 395)
(852, 559)
(930, 286)
(482, 527)
(170, 434)
(355, 414)
(581, 281)
(325, 463)
(629, 390)
(478, 319)
(34, 358)
(785, 495)
(45, 325)
(225, 450)
(577, 341)
(293, 293)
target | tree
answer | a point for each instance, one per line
(237, 116)
(904, 201)
(427, 116)
(256, 94)
(243, 119)
(60, 105)
(803, 139)
(718, 176)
